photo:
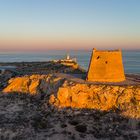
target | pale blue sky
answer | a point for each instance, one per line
(70, 23)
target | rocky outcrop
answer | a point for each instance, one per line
(100, 97)
(67, 93)
(34, 84)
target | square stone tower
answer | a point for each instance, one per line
(106, 66)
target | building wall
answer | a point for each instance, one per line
(106, 66)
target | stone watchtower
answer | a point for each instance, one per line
(106, 66)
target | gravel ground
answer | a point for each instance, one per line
(23, 117)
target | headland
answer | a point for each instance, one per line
(41, 100)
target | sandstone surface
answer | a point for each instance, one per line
(66, 118)
(66, 93)
(34, 84)
(24, 117)
(126, 99)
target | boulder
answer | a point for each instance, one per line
(34, 84)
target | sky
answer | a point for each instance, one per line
(39, 25)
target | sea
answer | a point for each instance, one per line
(131, 58)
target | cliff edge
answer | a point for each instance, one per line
(66, 93)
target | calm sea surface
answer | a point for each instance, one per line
(131, 59)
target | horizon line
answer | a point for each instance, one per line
(67, 50)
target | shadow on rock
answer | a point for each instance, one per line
(24, 116)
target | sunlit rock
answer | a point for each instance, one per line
(34, 84)
(100, 97)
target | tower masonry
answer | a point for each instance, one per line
(106, 66)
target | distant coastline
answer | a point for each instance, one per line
(131, 58)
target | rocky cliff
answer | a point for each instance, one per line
(69, 107)
(66, 93)
(34, 84)
(125, 99)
